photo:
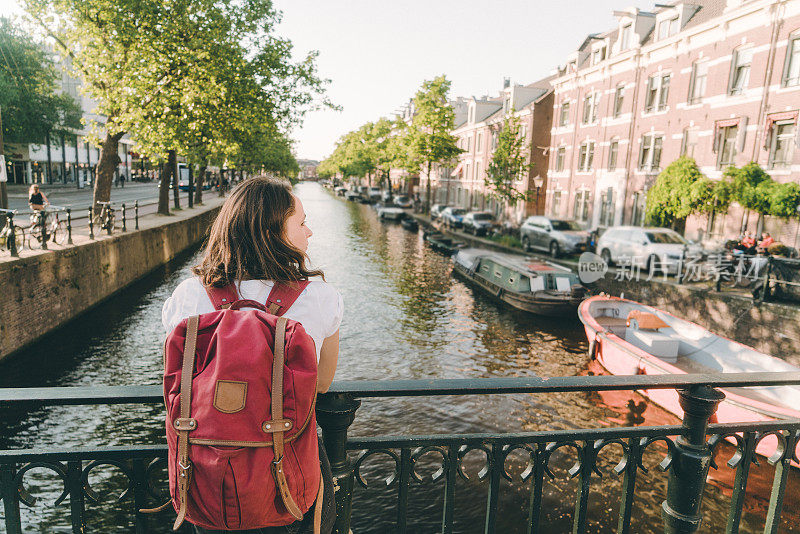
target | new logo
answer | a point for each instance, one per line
(591, 267)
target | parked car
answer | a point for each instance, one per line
(436, 211)
(478, 222)
(453, 217)
(352, 195)
(386, 197)
(402, 201)
(340, 191)
(555, 236)
(654, 249)
(374, 194)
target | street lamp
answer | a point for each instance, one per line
(538, 181)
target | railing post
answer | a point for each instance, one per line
(12, 245)
(136, 213)
(43, 222)
(91, 224)
(335, 414)
(691, 459)
(77, 501)
(124, 222)
(10, 494)
(69, 226)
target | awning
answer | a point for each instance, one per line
(457, 170)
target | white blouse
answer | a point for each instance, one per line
(318, 308)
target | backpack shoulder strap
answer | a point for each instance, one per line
(222, 297)
(283, 295)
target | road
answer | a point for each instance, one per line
(80, 199)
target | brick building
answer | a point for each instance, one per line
(716, 80)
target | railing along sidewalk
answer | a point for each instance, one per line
(688, 460)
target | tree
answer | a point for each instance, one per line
(28, 83)
(755, 190)
(680, 190)
(509, 163)
(182, 74)
(430, 139)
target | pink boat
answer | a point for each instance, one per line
(629, 338)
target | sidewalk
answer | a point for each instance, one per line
(80, 235)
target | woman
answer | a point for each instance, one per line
(260, 236)
(36, 199)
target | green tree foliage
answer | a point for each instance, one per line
(28, 84)
(755, 190)
(207, 78)
(509, 162)
(681, 190)
(429, 136)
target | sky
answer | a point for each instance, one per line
(378, 53)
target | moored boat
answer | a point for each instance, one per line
(629, 338)
(410, 223)
(391, 214)
(443, 244)
(533, 286)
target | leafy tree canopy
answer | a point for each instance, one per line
(509, 162)
(680, 190)
(28, 83)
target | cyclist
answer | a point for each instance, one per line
(36, 199)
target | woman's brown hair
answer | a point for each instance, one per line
(247, 240)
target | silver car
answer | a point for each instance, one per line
(653, 249)
(555, 236)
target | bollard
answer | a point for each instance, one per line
(335, 414)
(124, 225)
(91, 224)
(69, 226)
(136, 214)
(43, 222)
(691, 459)
(762, 296)
(12, 236)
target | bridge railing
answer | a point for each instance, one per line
(690, 449)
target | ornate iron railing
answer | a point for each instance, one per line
(690, 450)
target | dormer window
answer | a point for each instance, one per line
(625, 38)
(598, 55)
(668, 27)
(471, 114)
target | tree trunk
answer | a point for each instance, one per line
(109, 159)
(167, 170)
(201, 177)
(221, 182)
(428, 191)
(176, 193)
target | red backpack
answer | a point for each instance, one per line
(240, 387)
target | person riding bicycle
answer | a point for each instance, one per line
(36, 199)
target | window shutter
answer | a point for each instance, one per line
(717, 135)
(690, 98)
(732, 72)
(741, 135)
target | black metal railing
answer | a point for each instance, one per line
(690, 449)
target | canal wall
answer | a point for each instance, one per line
(44, 291)
(772, 328)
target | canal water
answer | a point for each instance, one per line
(406, 317)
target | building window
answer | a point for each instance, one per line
(791, 70)
(560, 155)
(619, 97)
(563, 119)
(780, 147)
(697, 84)
(467, 168)
(740, 71)
(613, 150)
(598, 55)
(689, 143)
(586, 156)
(469, 144)
(580, 209)
(494, 140)
(479, 143)
(650, 152)
(626, 37)
(555, 206)
(607, 207)
(478, 175)
(590, 108)
(667, 28)
(639, 206)
(726, 145)
(657, 93)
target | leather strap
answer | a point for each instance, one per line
(283, 295)
(277, 413)
(185, 423)
(222, 297)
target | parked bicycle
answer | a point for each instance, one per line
(107, 217)
(6, 232)
(40, 230)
